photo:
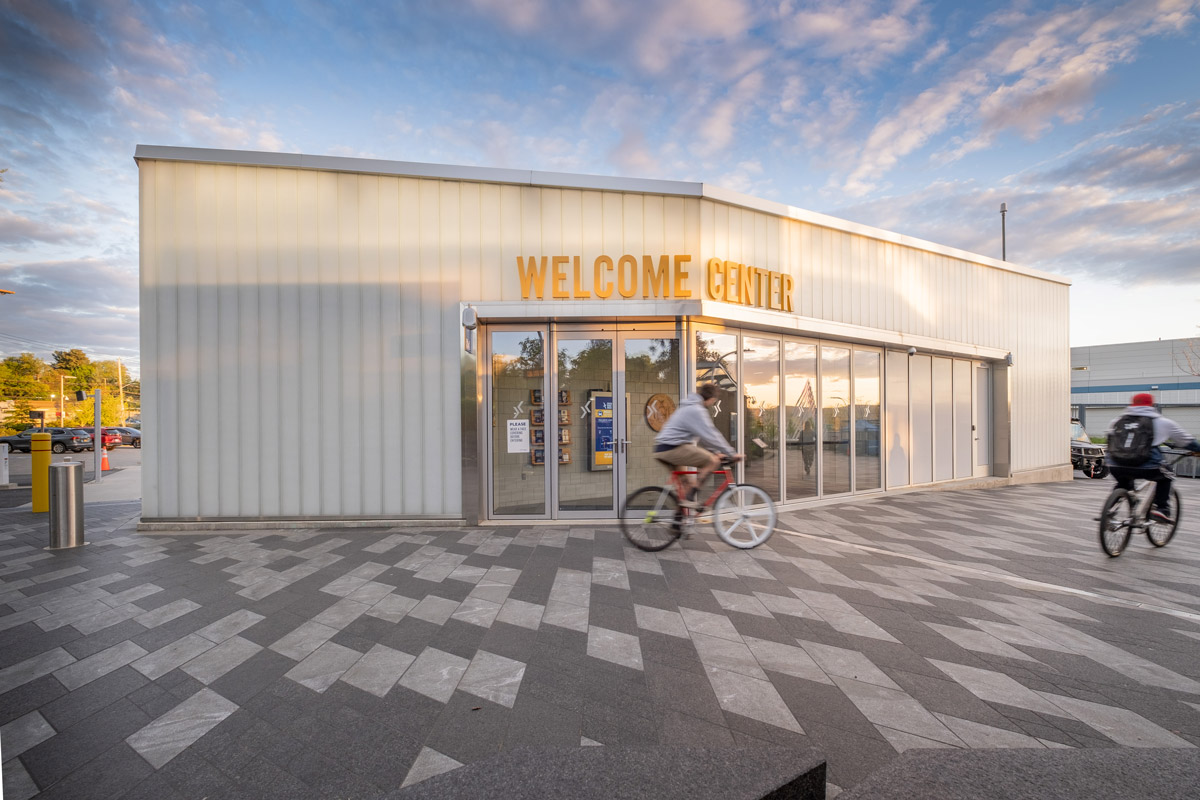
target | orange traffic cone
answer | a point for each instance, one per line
(104, 460)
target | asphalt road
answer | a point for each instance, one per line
(20, 470)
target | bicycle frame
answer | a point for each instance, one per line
(1145, 492)
(678, 484)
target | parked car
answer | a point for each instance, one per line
(130, 436)
(61, 440)
(1086, 456)
(109, 438)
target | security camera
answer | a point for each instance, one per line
(912, 351)
(470, 320)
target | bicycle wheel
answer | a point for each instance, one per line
(652, 518)
(1159, 533)
(1116, 521)
(744, 516)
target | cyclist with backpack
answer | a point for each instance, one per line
(1133, 450)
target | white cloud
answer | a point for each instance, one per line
(861, 34)
(1041, 69)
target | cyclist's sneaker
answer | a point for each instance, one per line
(1162, 515)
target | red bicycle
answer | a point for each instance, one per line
(742, 513)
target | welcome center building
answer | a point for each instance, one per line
(348, 339)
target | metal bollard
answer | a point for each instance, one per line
(66, 505)
(4, 484)
(39, 447)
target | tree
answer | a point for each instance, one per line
(76, 362)
(1186, 355)
(84, 414)
(20, 376)
(17, 418)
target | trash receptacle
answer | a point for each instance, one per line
(66, 505)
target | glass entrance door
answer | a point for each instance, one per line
(573, 433)
(585, 438)
(614, 389)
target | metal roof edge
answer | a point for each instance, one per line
(415, 169)
(730, 197)
(565, 180)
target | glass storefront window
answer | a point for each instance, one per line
(717, 362)
(760, 378)
(835, 419)
(867, 459)
(518, 467)
(800, 419)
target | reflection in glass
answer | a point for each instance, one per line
(835, 419)
(800, 414)
(651, 371)
(760, 374)
(867, 471)
(717, 362)
(518, 368)
(584, 367)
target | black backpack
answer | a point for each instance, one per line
(1131, 440)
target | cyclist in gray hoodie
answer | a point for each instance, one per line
(676, 444)
(1148, 462)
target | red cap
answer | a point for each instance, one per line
(1143, 399)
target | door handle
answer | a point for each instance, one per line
(624, 444)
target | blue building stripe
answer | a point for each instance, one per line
(1137, 387)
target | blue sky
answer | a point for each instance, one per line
(917, 117)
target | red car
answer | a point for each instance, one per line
(109, 438)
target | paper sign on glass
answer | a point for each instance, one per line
(518, 436)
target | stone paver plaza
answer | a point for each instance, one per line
(348, 662)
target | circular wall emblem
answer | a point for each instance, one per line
(658, 408)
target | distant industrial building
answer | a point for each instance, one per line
(1105, 377)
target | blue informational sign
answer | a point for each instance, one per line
(602, 432)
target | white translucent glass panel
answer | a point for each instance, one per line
(836, 419)
(867, 422)
(983, 417)
(584, 367)
(800, 418)
(943, 420)
(518, 464)
(760, 379)
(920, 378)
(896, 418)
(963, 433)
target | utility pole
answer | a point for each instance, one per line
(121, 389)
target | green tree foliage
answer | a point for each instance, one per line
(17, 418)
(83, 415)
(21, 376)
(76, 362)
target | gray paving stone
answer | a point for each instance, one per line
(170, 734)
(89, 669)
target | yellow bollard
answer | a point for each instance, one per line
(40, 447)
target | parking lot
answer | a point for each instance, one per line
(20, 466)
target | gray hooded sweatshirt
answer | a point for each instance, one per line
(692, 422)
(1166, 431)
